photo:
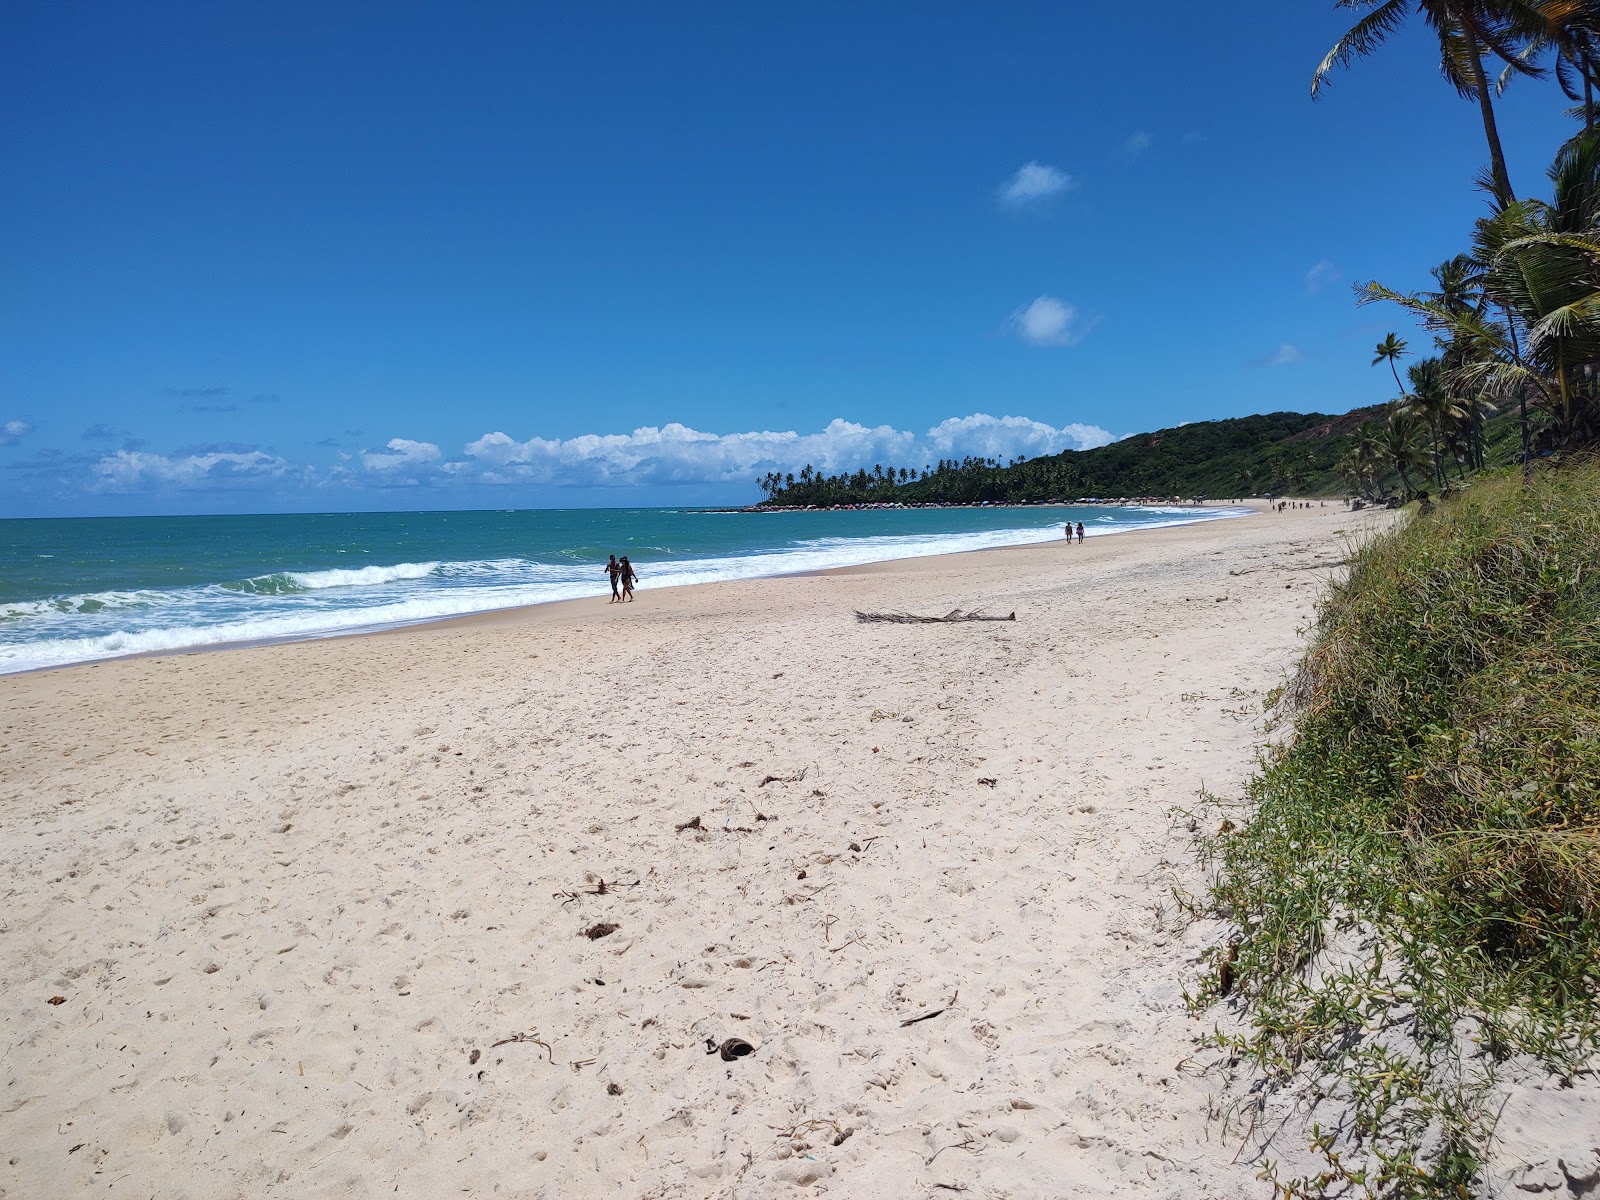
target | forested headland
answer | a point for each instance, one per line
(1281, 453)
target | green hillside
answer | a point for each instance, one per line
(1242, 456)
(1282, 453)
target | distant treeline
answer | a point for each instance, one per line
(1282, 453)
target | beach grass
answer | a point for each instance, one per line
(1414, 892)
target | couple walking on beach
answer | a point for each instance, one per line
(622, 577)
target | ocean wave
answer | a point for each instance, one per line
(290, 606)
(360, 576)
(279, 583)
(61, 651)
(89, 603)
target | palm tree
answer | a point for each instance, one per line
(1460, 281)
(1541, 270)
(1400, 438)
(1573, 30)
(1467, 30)
(1390, 350)
(1363, 464)
(1432, 403)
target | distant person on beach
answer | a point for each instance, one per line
(1080, 532)
(1069, 533)
(627, 575)
(614, 569)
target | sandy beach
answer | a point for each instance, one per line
(474, 908)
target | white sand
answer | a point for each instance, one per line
(293, 896)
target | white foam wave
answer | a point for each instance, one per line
(88, 602)
(361, 576)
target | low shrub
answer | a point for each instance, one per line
(1440, 789)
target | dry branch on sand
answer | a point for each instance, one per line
(950, 618)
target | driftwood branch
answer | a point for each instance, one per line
(954, 615)
(928, 1016)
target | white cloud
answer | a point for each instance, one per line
(1006, 437)
(1034, 181)
(14, 431)
(677, 454)
(1321, 274)
(670, 454)
(136, 470)
(401, 452)
(1287, 354)
(1137, 144)
(1048, 322)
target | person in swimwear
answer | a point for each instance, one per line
(1080, 533)
(627, 575)
(614, 569)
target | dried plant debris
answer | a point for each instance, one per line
(950, 618)
(602, 888)
(928, 1016)
(532, 1038)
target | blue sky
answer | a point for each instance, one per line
(362, 256)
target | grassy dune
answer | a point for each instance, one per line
(1416, 887)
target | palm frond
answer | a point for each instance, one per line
(1362, 39)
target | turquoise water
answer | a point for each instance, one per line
(85, 589)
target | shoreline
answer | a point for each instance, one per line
(1247, 507)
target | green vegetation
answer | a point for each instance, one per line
(1517, 320)
(1415, 891)
(1302, 454)
(1422, 857)
(1276, 452)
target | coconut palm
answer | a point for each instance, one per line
(1430, 400)
(1541, 271)
(1467, 30)
(1390, 350)
(1573, 31)
(1460, 281)
(1365, 462)
(1401, 440)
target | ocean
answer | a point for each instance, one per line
(78, 590)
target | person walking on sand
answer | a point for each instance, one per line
(627, 575)
(1080, 533)
(614, 569)
(1069, 533)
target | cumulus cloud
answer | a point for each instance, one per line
(677, 454)
(666, 455)
(14, 430)
(137, 470)
(1048, 322)
(1034, 181)
(1321, 274)
(1007, 437)
(400, 452)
